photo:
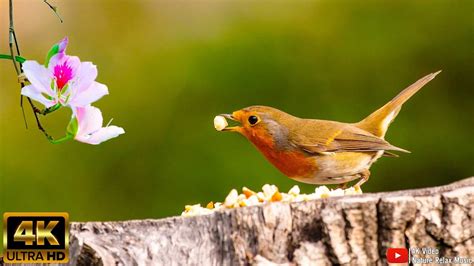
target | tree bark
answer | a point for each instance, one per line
(350, 230)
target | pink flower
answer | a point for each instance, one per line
(65, 80)
(86, 126)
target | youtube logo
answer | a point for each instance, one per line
(397, 255)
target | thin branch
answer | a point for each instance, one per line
(11, 37)
(13, 42)
(17, 47)
(55, 10)
(38, 123)
(23, 111)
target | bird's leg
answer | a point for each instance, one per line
(364, 177)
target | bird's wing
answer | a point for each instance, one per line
(338, 137)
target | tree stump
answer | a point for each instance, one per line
(350, 230)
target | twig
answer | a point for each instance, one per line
(38, 123)
(55, 10)
(11, 37)
(12, 32)
(13, 42)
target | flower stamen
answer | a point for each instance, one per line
(63, 74)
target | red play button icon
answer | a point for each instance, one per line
(397, 255)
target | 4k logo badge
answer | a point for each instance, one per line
(39, 237)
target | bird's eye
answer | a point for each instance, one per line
(253, 120)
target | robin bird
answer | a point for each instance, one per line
(321, 151)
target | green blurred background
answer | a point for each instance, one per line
(171, 66)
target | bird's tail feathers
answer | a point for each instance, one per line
(378, 122)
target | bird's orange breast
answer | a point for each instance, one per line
(289, 162)
(292, 164)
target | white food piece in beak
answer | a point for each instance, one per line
(220, 123)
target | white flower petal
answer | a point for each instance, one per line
(93, 93)
(39, 76)
(35, 93)
(101, 135)
(89, 120)
(85, 76)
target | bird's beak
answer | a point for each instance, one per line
(231, 117)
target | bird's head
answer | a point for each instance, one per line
(261, 124)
